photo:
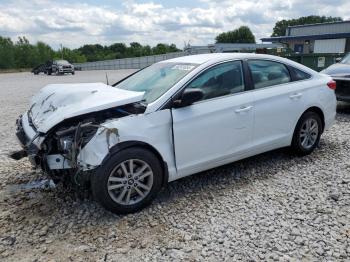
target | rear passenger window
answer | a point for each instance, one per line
(268, 73)
(300, 75)
(220, 80)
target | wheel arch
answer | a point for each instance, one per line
(318, 111)
(128, 144)
(314, 109)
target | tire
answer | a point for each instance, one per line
(307, 134)
(49, 72)
(110, 184)
(73, 73)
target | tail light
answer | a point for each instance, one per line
(332, 84)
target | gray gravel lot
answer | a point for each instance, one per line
(270, 207)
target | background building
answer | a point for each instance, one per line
(231, 48)
(316, 38)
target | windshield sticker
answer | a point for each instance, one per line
(183, 67)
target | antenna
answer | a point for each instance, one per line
(107, 79)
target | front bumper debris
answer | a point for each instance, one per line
(29, 149)
(17, 155)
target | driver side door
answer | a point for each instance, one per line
(217, 129)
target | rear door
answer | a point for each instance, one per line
(279, 102)
(217, 127)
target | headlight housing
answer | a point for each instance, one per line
(66, 143)
(82, 133)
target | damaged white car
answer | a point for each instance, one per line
(173, 119)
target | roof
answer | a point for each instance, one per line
(306, 37)
(219, 57)
(203, 58)
(320, 24)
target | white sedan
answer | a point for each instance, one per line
(173, 119)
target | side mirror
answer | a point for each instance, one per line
(189, 96)
(338, 59)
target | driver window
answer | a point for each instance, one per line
(223, 79)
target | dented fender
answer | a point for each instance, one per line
(154, 129)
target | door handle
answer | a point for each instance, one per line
(243, 109)
(297, 95)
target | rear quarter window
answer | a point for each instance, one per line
(299, 75)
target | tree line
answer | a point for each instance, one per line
(23, 54)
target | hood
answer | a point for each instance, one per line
(55, 103)
(338, 69)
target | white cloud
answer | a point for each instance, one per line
(149, 23)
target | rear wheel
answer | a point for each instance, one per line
(128, 181)
(307, 133)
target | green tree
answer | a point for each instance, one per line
(118, 49)
(135, 50)
(241, 35)
(73, 56)
(7, 53)
(25, 53)
(92, 52)
(44, 52)
(281, 26)
(146, 50)
(164, 48)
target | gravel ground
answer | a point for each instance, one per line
(273, 206)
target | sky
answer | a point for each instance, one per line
(74, 23)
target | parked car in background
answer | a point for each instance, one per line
(173, 119)
(340, 72)
(62, 67)
(57, 67)
(45, 68)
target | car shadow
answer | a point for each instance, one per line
(237, 174)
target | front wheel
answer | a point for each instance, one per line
(128, 181)
(307, 133)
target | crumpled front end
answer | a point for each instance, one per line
(28, 139)
(57, 152)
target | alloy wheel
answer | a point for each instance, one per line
(309, 133)
(130, 182)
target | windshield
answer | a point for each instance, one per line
(62, 62)
(346, 59)
(156, 79)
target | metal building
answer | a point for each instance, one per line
(316, 38)
(230, 48)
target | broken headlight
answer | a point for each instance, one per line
(66, 143)
(77, 136)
